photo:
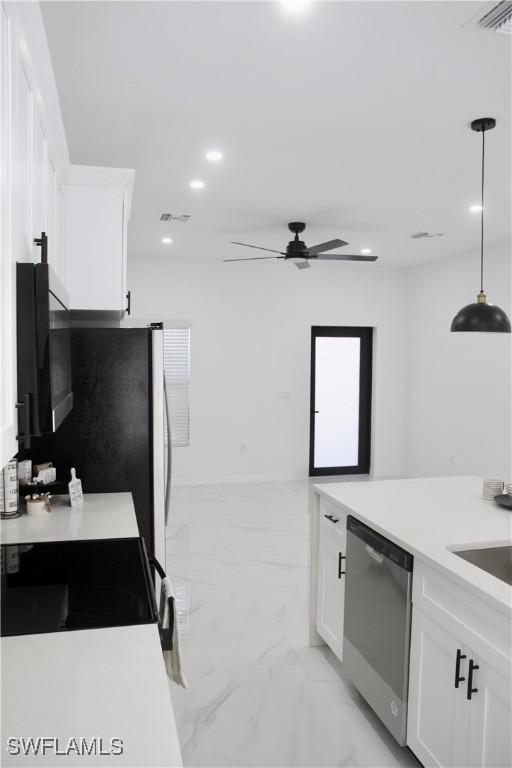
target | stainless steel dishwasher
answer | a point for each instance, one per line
(377, 625)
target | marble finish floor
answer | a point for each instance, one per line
(258, 695)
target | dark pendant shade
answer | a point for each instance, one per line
(485, 318)
(481, 316)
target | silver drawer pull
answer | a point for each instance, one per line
(373, 554)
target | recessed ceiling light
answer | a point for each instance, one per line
(366, 251)
(475, 208)
(166, 240)
(295, 7)
(197, 184)
(214, 155)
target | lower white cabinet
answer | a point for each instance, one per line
(437, 727)
(459, 704)
(490, 718)
(331, 580)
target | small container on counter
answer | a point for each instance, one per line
(38, 504)
(9, 495)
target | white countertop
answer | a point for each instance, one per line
(429, 517)
(102, 516)
(104, 683)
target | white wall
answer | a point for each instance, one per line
(458, 414)
(250, 352)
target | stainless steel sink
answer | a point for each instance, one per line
(495, 560)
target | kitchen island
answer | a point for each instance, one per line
(461, 614)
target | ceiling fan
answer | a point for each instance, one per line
(301, 254)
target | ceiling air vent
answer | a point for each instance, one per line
(182, 217)
(498, 18)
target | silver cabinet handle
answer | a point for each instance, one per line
(169, 454)
(375, 555)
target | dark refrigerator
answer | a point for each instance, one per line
(115, 434)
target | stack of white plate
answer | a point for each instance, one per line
(492, 488)
(508, 488)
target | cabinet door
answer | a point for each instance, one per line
(490, 737)
(51, 192)
(438, 715)
(331, 587)
(58, 236)
(95, 250)
(8, 418)
(22, 159)
(38, 185)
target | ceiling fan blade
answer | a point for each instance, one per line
(271, 250)
(255, 258)
(328, 246)
(344, 257)
(304, 264)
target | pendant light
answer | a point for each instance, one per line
(481, 316)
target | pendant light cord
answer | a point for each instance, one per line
(482, 218)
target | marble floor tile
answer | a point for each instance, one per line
(258, 694)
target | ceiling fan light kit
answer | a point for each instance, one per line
(300, 254)
(480, 316)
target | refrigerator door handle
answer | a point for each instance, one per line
(169, 454)
(165, 632)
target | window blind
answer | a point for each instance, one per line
(177, 377)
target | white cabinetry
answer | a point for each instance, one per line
(8, 444)
(437, 723)
(460, 683)
(38, 150)
(332, 541)
(490, 718)
(33, 156)
(21, 157)
(98, 204)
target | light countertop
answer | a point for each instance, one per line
(429, 517)
(104, 683)
(101, 683)
(102, 516)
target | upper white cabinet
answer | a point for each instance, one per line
(8, 444)
(33, 158)
(39, 189)
(37, 144)
(98, 202)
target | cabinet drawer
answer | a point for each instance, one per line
(447, 601)
(332, 521)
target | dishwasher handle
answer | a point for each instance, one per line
(379, 545)
(377, 556)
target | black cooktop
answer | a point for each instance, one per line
(66, 585)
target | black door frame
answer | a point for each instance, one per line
(365, 398)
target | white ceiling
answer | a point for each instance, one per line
(353, 118)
